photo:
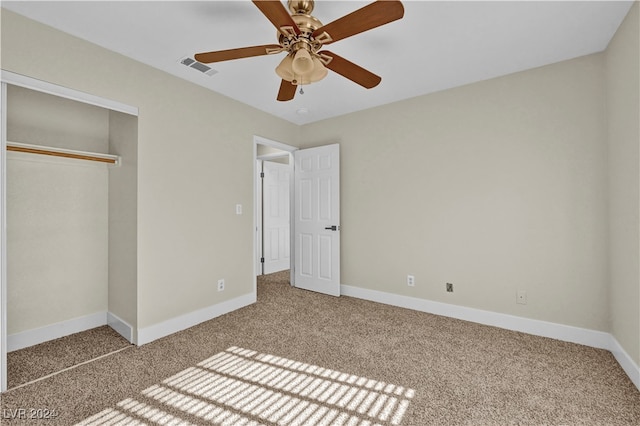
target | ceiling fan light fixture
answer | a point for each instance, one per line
(303, 36)
(319, 71)
(301, 80)
(302, 62)
(285, 69)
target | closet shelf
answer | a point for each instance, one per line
(61, 152)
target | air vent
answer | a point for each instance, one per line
(192, 63)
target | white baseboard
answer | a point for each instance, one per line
(35, 336)
(120, 326)
(567, 333)
(165, 328)
(145, 335)
(583, 336)
(625, 361)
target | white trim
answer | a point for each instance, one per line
(257, 211)
(35, 336)
(278, 145)
(120, 326)
(3, 237)
(65, 92)
(566, 333)
(173, 325)
(625, 361)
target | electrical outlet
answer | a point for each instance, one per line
(221, 285)
(411, 280)
(450, 287)
(521, 297)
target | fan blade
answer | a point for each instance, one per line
(371, 16)
(243, 52)
(278, 15)
(349, 70)
(287, 91)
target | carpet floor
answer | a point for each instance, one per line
(34, 362)
(301, 358)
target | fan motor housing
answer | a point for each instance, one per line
(304, 7)
(307, 25)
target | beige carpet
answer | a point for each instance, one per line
(37, 361)
(298, 357)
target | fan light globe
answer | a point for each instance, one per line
(302, 63)
(301, 80)
(319, 71)
(284, 70)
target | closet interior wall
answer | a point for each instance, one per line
(71, 228)
(123, 229)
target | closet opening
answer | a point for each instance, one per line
(71, 232)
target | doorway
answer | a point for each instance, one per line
(273, 174)
(314, 212)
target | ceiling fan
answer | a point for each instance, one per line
(302, 37)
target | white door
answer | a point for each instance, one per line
(275, 214)
(317, 219)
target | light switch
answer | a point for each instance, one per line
(238, 208)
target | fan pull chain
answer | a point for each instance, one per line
(301, 91)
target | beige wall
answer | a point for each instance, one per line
(123, 215)
(57, 240)
(38, 118)
(194, 165)
(56, 212)
(264, 150)
(495, 187)
(623, 100)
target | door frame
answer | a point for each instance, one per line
(259, 140)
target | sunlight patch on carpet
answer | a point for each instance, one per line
(246, 388)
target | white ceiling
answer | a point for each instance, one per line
(437, 45)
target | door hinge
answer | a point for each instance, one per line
(262, 260)
(262, 175)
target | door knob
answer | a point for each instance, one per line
(332, 228)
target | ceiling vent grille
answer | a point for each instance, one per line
(192, 63)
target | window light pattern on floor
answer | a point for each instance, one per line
(246, 388)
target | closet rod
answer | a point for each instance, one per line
(55, 153)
